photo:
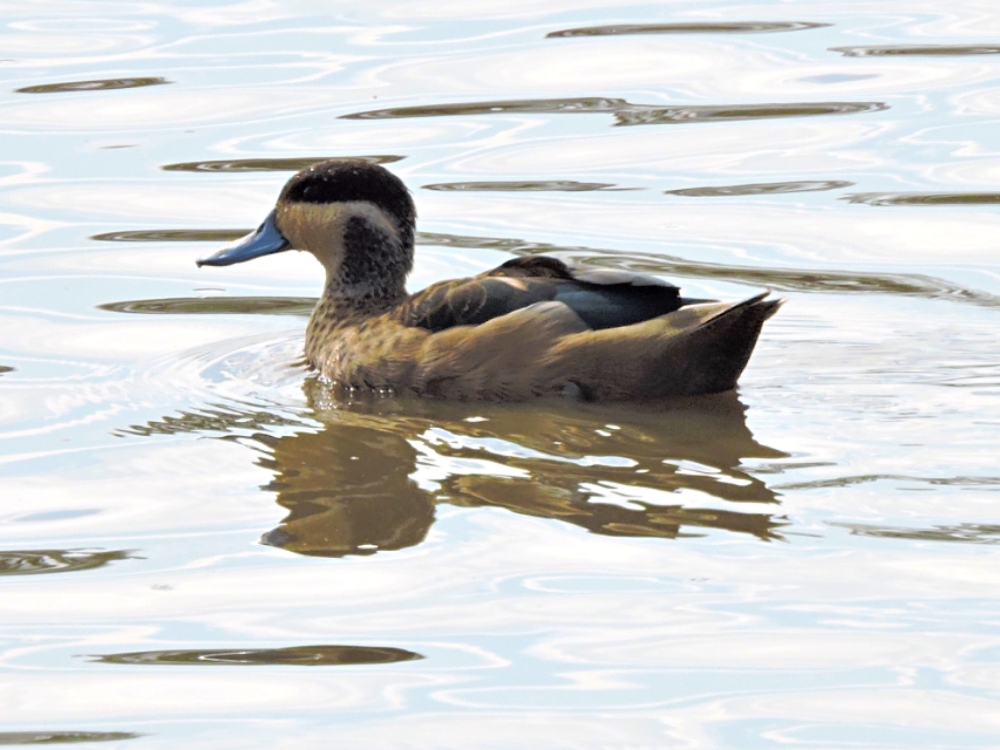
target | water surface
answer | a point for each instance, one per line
(190, 519)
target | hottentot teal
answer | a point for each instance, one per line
(534, 326)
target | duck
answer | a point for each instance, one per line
(535, 326)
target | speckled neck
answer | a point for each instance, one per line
(366, 253)
(367, 280)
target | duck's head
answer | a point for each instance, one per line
(357, 218)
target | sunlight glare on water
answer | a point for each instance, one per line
(200, 546)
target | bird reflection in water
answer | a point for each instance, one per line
(370, 479)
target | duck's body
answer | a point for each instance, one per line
(532, 327)
(510, 334)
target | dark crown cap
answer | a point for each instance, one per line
(339, 180)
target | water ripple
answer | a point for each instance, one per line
(943, 50)
(924, 199)
(225, 419)
(762, 188)
(967, 533)
(173, 235)
(542, 106)
(695, 27)
(105, 84)
(982, 482)
(624, 112)
(36, 561)
(272, 164)
(57, 738)
(301, 656)
(215, 306)
(649, 115)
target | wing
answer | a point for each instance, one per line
(602, 298)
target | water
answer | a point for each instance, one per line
(199, 547)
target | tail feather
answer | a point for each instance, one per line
(700, 348)
(717, 352)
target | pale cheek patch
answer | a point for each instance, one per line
(319, 228)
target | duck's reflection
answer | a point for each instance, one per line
(370, 479)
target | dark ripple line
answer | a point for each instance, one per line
(302, 656)
(173, 235)
(943, 50)
(625, 113)
(543, 106)
(762, 188)
(58, 738)
(104, 84)
(967, 533)
(924, 199)
(289, 164)
(869, 478)
(649, 115)
(695, 27)
(214, 306)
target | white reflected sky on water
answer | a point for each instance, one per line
(869, 620)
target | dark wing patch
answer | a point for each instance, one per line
(613, 277)
(469, 302)
(602, 298)
(618, 305)
(610, 298)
